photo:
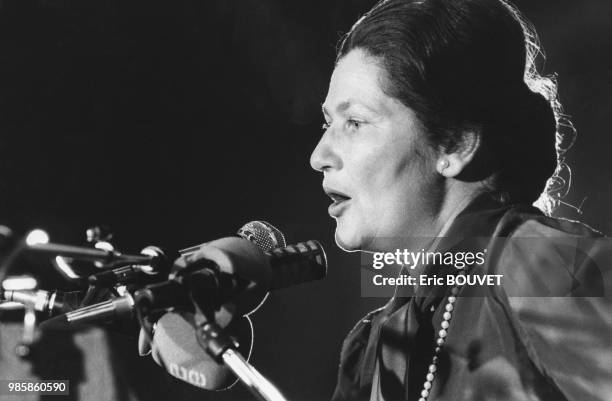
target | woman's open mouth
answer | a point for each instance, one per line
(339, 199)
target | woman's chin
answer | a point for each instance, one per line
(347, 241)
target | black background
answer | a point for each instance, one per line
(175, 122)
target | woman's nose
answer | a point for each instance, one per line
(325, 156)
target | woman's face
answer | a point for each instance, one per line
(377, 167)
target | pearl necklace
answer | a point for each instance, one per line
(446, 318)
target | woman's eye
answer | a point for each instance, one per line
(354, 124)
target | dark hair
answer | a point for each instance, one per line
(470, 65)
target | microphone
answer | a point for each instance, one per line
(133, 273)
(295, 264)
(176, 348)
(110, 310)
(291, 265)
(261, 233)
(273, 270)
(174, 345)
(123, 306)
(108, 257)
(49, 303)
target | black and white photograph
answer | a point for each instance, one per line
(366, 200)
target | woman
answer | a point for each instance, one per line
(438, 126)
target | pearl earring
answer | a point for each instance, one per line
(443, 165)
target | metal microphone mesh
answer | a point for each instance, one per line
(263, 234)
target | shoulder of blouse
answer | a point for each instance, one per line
(558, 293)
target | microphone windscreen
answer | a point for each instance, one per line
(263, 234)
(175, 348)
(297, 263)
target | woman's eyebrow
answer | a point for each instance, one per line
(343, 106)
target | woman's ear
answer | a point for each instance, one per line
(451, 164)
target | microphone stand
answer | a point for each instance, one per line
(107, 257)
(223, 349)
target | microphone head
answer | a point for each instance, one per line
(175, 348)
(263, 234)
(260, 233)
(297, 263)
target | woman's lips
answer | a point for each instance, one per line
(340, 201)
